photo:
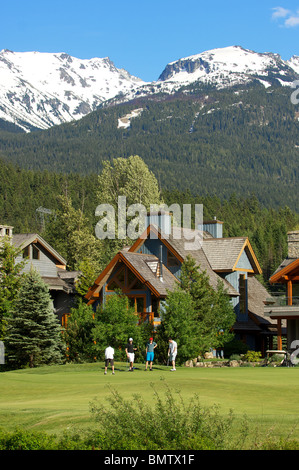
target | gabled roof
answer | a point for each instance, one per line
(212, 255)
(138, 264)
(178, 245)
(225, 253)
(24, 239)
(288, 268)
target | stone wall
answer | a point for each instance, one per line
(293, 244)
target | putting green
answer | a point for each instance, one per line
(56, 398)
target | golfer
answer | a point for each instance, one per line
(172, 352)
(130, 353)
(109, 359)
(149, 350)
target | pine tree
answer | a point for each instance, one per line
(195, 313)
(10, 278)
(34, 334)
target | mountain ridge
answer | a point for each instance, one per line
(39, 90)
(242, 139)
(46, 89)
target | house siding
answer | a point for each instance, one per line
(45, 265)
(152, 247)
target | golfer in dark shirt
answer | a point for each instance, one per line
(130, 353)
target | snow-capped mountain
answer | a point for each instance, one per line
(44, 89)
(222, 67)
(229, 66)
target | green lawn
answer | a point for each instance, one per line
(56, 398)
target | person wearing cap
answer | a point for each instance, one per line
(150, 346)
(130, 353)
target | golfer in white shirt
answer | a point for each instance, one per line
(109, 358)
(172, 352)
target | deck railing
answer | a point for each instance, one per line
(278, 299)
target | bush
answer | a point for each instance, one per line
(252, 356)
(235, 347)
(170, 424)
(25, 440)
(235, 357)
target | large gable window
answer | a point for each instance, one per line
(125, 280)
(25, 252)
(242, 291)
(172, 260)
(35, 252)
(118, 281)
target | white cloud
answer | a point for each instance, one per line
(291, 19)
(280, 12)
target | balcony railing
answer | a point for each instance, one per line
(281, 300)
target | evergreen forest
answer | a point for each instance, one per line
(242, 140)
(233, 150)
(25, 193)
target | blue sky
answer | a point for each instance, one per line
(143, 37)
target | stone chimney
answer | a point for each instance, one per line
(5, 231)
(293, 244)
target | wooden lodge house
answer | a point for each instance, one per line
(148, 269)
(50, 265)
(284, 306)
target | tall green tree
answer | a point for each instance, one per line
(128, 177)
(34, 335)
(116, 321)
(10, 279)
(71, 234)
(180, 323)
(195, 313)
(214, 311)
(79, 333)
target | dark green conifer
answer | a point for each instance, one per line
(34, 334)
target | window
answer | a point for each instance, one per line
(25, 252)
(171, 259)
(242, 291)
(113, 285)
(138, 302)
(35, 252)
(155, 306)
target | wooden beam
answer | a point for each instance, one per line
(290, 268)
(290, 292)
(279, 338)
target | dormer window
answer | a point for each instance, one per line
(25, 252)
(31, 252)
(171, 259)
(35, 252)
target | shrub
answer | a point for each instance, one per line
(235, 357)
(26, 440)
(235, 347)
(170, 424)
(252, 356)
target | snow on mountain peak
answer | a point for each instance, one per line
(39, 90)
(44, 89)
(223, 66)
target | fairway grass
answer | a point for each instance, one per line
(57, 398)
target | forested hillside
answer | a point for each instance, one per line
(24, 191)
(240, 140)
